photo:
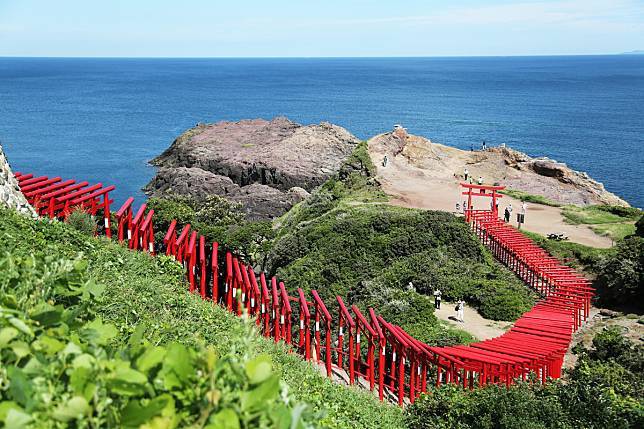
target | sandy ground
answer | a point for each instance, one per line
(474, 323)
(410, 185)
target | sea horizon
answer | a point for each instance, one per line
(104, 118)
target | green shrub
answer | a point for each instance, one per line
(572, 254)
(217, 219)
(603, 390)
(61, 369)
(338, 251)
(620, 279)
(81, 221)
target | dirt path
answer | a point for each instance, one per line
(475, 324)
(437, 189)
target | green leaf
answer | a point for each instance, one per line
(6, 335)
(84, 361)
(178, 358)
(137, 336)
(259, 369)
(47, 314)
(224, 419)
(20, 388)
(78, 379)
(21, 326)
(159, 423)
(135, 414)
(95, 289)
(152, 357)
(5, 407)
(17, 419)
(128, 382)
(256, 399)
(71, 349)
(21, 349)
(75, 408)
(98, 332)
(48, 344)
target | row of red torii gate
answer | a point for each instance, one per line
(349, 343)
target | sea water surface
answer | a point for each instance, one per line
(103, 119)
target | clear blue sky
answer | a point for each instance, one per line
(201, 28)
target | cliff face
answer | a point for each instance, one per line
(268, 166)
(10, 195)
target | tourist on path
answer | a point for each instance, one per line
(507, 213)
(521, 214)
(480, 181)
(437, 299)
(459, 310)
(466, 173)
(483, 145)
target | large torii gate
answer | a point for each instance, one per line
(490, 191)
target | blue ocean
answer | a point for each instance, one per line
(103, 119)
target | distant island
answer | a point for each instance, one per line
(636, 52)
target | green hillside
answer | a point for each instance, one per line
(63, 289)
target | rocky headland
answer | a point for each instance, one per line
(516, 170)
(267, 166)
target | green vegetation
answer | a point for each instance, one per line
(81, 221)
(620, 279)
(603, 390)
(60, 368)
(344, 241)
(572, 254)
(593, 215)
(143, 297)
(218, 220)
(530, 198)
(615, 222)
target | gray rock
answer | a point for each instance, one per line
(10, 195)
(229, 158)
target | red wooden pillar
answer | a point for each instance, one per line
(202, 265)
(214, 270)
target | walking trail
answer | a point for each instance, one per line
(474, 323)
(428, 181)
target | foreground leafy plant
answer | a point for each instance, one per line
(60, 367)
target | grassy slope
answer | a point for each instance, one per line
(615, 222)
(150, 291)
(346, 241)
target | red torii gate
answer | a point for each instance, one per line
(494, 194)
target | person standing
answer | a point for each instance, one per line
(459, 310)
(521, 214)
(483, 145)
(466, 173)
(480, 181)
(506, 213)
(437, 299)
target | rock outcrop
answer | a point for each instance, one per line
(10, 195)
(268, 166)
(516, 170)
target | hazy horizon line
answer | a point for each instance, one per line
(626, 53)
